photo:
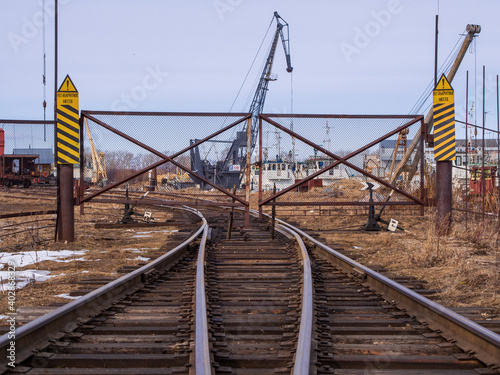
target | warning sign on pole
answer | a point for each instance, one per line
(68, 124)
(444, 121)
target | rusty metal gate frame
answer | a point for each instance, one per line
(165, 159)
(412, 119)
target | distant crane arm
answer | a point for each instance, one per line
(286, 42)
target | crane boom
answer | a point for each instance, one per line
(472, 30)
(227, 173)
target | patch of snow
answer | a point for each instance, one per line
(3, 317)
(143, 259)
(25, 277)
(71, 260)
(85, 271)
(357, 247)
(141, 235)
(158, 231)
(25, 258)
(142, 249)
(65, 295)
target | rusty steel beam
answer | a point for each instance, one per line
(32, 213)
(169, 114)
(340, 160)
(165, 202)
(325, 116)
(340, 203)
(161, 155)
(27, 122)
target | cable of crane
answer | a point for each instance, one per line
(248, 73)
(443, 69)
(251, 66)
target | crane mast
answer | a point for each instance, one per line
(228, 172)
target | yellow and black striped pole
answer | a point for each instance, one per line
(68, 124)
(444, 150)
(444, 121)
(68, 154)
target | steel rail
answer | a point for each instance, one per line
(203, 364)
(303, 352)
(302, 361)
(467, 334)
(65, 318)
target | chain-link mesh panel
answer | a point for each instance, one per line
(373, 156)
(126, 144)
(475, 171)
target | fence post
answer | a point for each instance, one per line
(231, 215)
(67, 211)
(273, 214)
(247, 173)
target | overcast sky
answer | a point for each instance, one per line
(355, 57)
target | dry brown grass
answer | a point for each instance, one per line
(464, 266)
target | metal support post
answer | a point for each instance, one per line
(423, 137)
(247, 174)
(81, 189)
(231, 217)
(443, 196)
(261, 216)
(273, 214)
(67, 213)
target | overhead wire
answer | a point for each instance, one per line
(251, 66)
(44, 74)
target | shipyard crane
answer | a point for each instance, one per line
(228, 172)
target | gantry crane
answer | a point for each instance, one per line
(99, 175)
(228, 172)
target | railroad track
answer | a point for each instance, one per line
(254, 293)
(252, 304)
